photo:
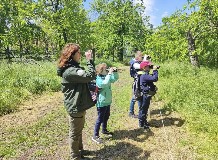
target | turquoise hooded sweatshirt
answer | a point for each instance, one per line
(104, 85)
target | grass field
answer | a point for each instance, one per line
(193, 92)
(19, 82)
(189, 91)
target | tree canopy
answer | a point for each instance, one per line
(32, 28)
(171, 40)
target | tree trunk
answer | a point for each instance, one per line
(121, 50)
(93, 53)
(113, 54)
(46, 49)
(191, 49)
(120, 54)
(7, 51)
(65, 36)
(21, 49)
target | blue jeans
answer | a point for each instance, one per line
(103, 116)
(132, 103)
(143, 110)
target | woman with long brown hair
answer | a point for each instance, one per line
(77, 97)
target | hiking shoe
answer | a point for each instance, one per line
(147, 128)
(110, 134)
(85, 152)
(97, 139)
(132, 115)
(82, 156)
(147, 124)
(141, 126)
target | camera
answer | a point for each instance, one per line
(152, 66)
(146, 57)
(114, 69)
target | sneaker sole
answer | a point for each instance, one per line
(108, 136)
(96, 141)
(147, 130)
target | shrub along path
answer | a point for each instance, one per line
(40, 130)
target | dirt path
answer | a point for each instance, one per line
(162, 143)
(169, 133)
(166, 141)
(32, 110)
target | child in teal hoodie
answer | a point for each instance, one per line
(104, 99)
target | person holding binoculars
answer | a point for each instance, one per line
(77, 97)
(148, 90)
(104, 99)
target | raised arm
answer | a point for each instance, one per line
(102, 83)
(150, 78)
(114, 77)
(78, 75)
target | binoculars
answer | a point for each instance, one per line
(151, 66)
(114, 70)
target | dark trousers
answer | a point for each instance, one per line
(143, 110)
(103, 116)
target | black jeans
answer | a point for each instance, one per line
(103, 116)
(143, 110)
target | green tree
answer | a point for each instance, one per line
(119, 26)
(42, 27)
(188, 33)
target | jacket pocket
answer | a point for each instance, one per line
(76, 116)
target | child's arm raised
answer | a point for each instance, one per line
(114, 77)
(102, 83)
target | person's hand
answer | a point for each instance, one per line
(114, 68)
(155, 67)
(110, 70)
(88, 55)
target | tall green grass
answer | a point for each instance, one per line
(20, 81)
(194, 93)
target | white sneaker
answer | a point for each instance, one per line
(97, 139)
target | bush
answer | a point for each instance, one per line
(192, 92)
(19, 81)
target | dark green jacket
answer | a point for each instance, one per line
(77, 96)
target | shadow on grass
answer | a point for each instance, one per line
(167, 121)
(162, 111)
(138, 135)
(121, 151)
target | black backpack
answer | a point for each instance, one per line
(132, 71)
(137, 92)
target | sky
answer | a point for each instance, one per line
(156, 9)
